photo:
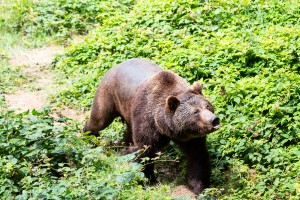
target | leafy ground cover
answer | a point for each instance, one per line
(246, 53)
(43, 158)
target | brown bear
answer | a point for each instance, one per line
(157, 106)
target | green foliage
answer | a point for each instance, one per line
(10, 78)
(247, 53)
(260, 128)
(41, 21)
(65, 18)
(12, 14)
(43, 158)
(193, 39)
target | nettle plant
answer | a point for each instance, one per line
(41, 157)
(66, 18)
(246, 53)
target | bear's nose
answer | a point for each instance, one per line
(215, 121)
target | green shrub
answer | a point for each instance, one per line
(43, 158)
(66, 18)
(10, 77)
(246, 53)
(163, 32)
(12, 14)
(41, 21)
(259, 137)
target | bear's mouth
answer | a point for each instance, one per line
(216, 127)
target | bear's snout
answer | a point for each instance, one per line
(215, 121)
(210, 120)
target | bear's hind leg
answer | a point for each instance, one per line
(102, 115)
(127, 137)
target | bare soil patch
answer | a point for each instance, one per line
(24, 100)
(35, 57)
(183, 191)
(79, 116)
(33, 63)
(172, 172)
(34, 95)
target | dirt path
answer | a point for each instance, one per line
(34, 94)
(181, 191)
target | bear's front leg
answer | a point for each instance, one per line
(149, 165)
(198, 166)
(149, 142)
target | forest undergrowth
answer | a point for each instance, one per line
(246, 53)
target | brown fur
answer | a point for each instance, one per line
(157, 106)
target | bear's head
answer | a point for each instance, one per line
(190, 115)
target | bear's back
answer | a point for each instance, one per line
(123, 80)
(127, 76)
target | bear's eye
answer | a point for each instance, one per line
(196, 111)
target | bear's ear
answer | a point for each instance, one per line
(172, 103)
(197, 88)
